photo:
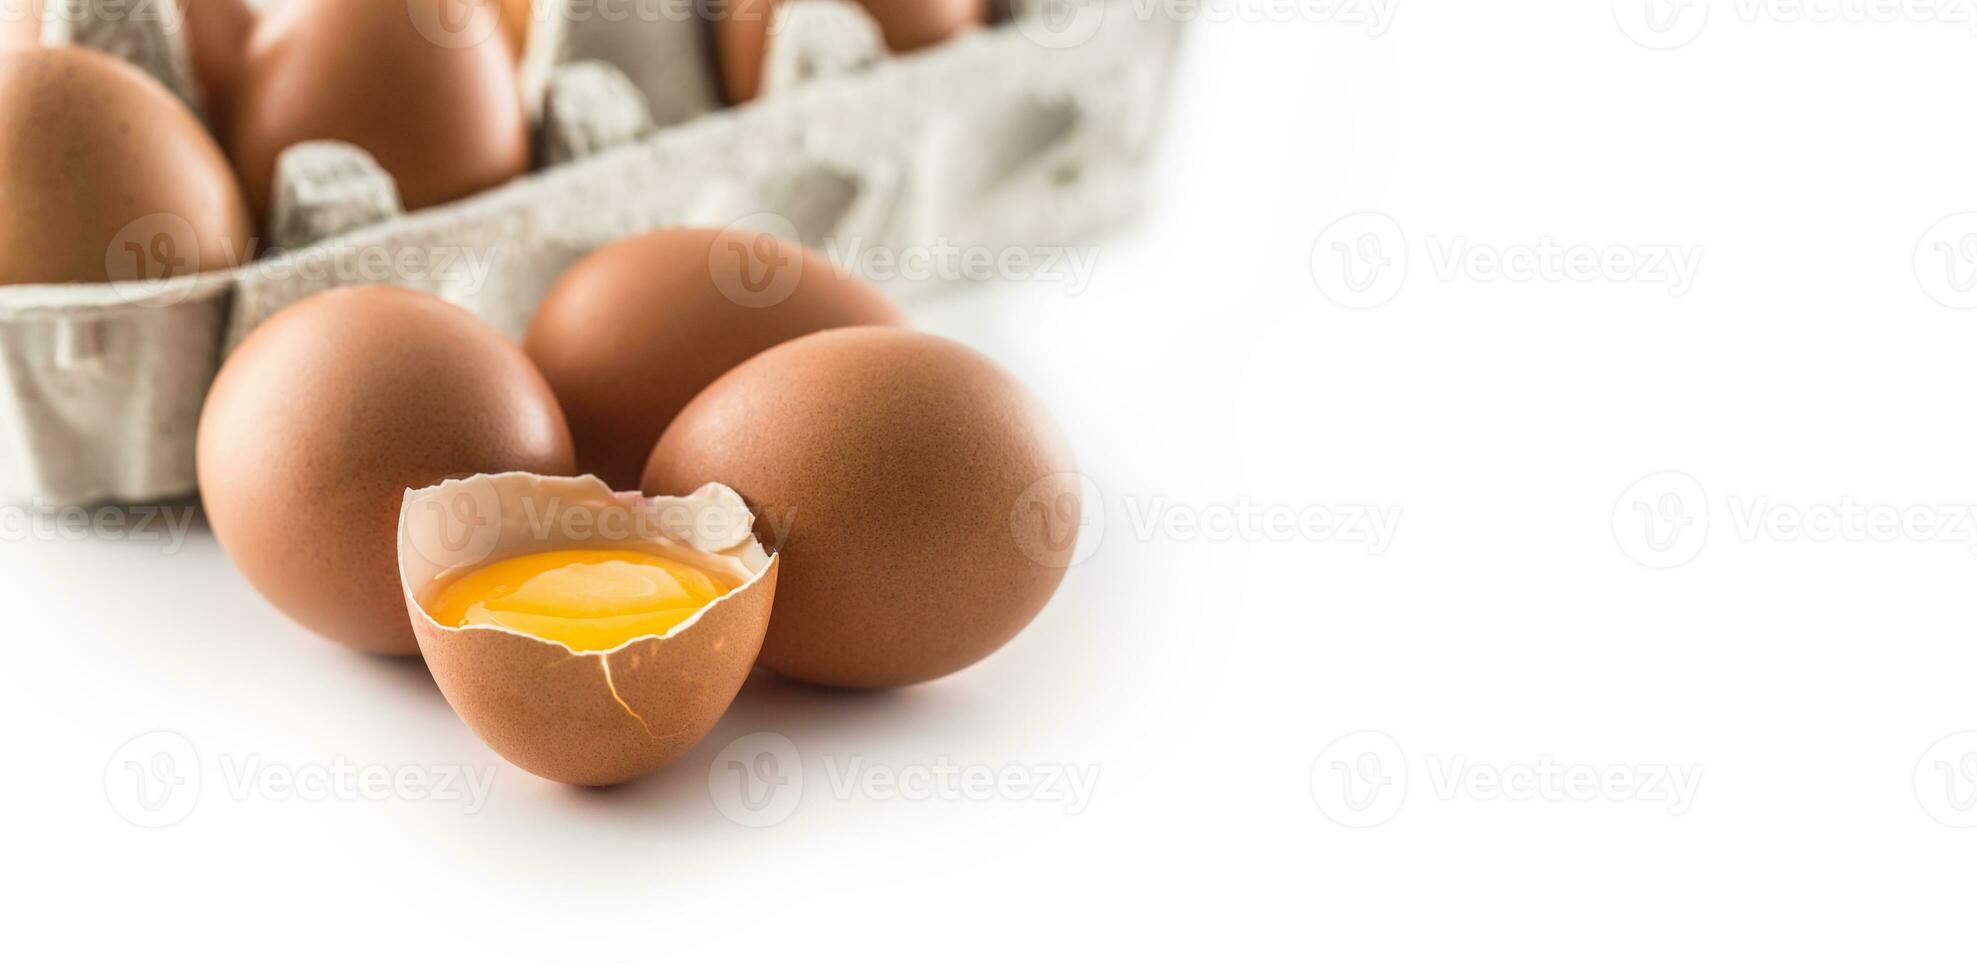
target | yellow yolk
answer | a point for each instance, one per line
(587, 600)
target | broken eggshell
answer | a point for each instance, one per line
(588, 719)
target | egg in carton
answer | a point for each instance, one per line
(1019, 135)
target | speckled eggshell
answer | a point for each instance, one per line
(328, 413)
(895, 475)
(105, 176)
(588, 719)
(742, 36)
(429, 87)
(639, 327)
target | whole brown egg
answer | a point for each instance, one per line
(107, 176)
(323, 419)
(428, 87)
(216, 40)
(742, 36)
(915, 493)
(20, 24)
(630, 334)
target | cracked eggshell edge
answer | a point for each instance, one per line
(587, 719)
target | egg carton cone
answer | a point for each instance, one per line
(1013, 138)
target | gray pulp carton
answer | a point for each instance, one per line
(1017, 136)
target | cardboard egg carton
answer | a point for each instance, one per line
(1021, 135)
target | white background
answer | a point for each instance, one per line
(1511, 622)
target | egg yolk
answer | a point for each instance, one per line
(587, 600)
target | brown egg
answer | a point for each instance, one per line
(328, 413)
(216, 41)
(426, 86)
(630, 334)
(742, 37)
(897, 474)
(107, 176)
(20, 24)
(515, 16)
(594, 718)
